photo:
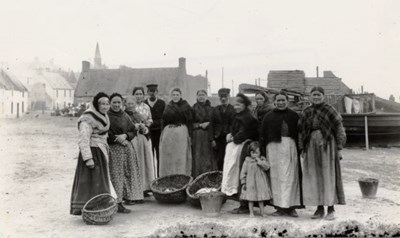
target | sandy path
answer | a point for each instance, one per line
(37, 169)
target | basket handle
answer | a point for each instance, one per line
(95, 198)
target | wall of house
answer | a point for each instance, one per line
(13, 103)
(61, 98)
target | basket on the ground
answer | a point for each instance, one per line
(211, 179)
(171, 188)
(99, 210)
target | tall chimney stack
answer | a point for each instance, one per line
(182, 65)
(85, 66)
(317, 72)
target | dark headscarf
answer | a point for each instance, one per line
(96, 100)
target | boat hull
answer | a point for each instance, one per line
(383, 129)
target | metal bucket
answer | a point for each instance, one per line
(211, 203)
(369, 187)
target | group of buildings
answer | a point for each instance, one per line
(37, 86)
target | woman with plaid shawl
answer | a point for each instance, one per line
(321, 138)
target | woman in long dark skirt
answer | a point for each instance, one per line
(175, 145)
(124, 166)
(322, 138)
(203, 160)
(92, 174)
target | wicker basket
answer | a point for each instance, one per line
(207, 180)
(177, 183)
(99, 210)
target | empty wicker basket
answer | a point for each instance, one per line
(99, 210)
(211, 179)
(171, 188)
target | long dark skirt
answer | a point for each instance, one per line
(322, 177)
(203, 159)
(89, 182)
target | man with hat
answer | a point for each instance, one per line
(157, 107)
(220, 123)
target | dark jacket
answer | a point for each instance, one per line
(221, 121)
(244, 126)
(156, 113)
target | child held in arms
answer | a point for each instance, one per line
(253, 177)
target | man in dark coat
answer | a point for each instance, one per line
(157, 107)
(220, 125)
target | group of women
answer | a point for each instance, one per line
(115, 151)
(302, 150)
(122, 163)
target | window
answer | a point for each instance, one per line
(22, 107)
(70, 93)
(23, 93)
(12, 93)
(65, 93)
(56, 92)
(12, 107)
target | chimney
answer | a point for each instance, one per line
(317, 72)
(85, 66)
(182, 65)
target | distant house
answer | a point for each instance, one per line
(47, 89)
(13, 96)
(124, 79)
(59, 90)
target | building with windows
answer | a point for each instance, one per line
(13, 96)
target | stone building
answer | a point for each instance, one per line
(123, 79)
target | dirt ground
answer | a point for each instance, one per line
(37, 169)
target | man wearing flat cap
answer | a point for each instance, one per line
(157, 107)
(220, 124)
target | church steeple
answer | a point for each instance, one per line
(97, 58)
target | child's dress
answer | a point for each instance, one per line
(255, 177)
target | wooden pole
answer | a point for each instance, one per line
(222, 76)
(366, 132)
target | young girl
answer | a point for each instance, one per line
(253, 177)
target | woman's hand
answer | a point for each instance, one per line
(137, 126)
(121, 138)
(229, 138)
(125, 143)
(339, 154)
(303, 154)
(148, 123)
(90, 163)
(204, 125)
(214, 144)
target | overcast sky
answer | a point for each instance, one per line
(358, 40)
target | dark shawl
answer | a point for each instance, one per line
(271, 126)
(244, 126)
(202, 112)
(261, 111)
(325, 118)
(121, 123)
(177, 114)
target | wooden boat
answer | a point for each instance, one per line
(383, 129)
